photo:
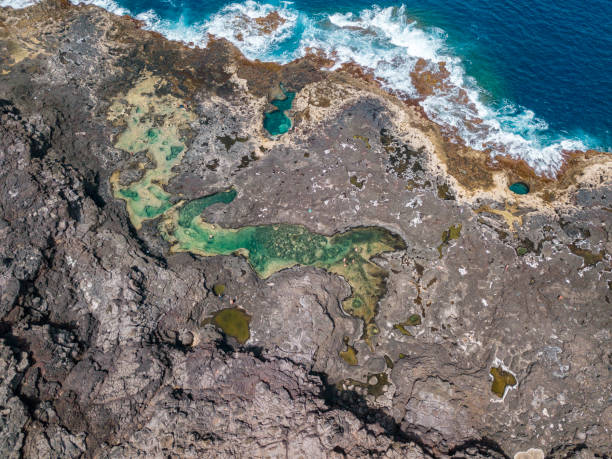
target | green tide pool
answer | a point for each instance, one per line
(152, 124)
(156, 124)
(233, 322)
(276, 122)
(519, 188)
(271, 248)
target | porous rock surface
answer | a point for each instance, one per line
(103, 347)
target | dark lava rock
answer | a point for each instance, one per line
(105, 346)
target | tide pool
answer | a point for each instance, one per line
(272, 248)
(277, 122)
(267, 248)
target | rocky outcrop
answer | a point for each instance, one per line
(107, 346)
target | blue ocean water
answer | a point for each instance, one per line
(529, 79)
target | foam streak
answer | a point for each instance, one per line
(394, 49)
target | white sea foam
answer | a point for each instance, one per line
(388, 43)
(237, 23)
(393, 25)
(17, 4)
(109, 5)
(174, 30)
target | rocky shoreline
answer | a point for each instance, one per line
(492, 334)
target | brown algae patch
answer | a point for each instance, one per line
(508, 214)
(233, 322)
(229, 141)
(589, 258)
(364, 139)
(402, 329)
(501, 380)
(272, 248)
(448, 235)
(219, 289)
(350, 355)
(412, 321)
(444, 192)
(153, 124)
(356, 182)
(270, 23)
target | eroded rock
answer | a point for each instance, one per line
(106, 350)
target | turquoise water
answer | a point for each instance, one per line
(536, 74)
(277, 122)
(519, 188)
(194, 208)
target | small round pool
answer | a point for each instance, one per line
(519, 188)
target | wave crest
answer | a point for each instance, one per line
(255, 28)
(416, 63)
(406, 59)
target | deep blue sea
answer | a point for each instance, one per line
(534, 78)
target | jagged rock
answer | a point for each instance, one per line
(108, 349)
(13, 412)
(54, 441)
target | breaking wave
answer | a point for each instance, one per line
(17, 4)
(407, 60)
